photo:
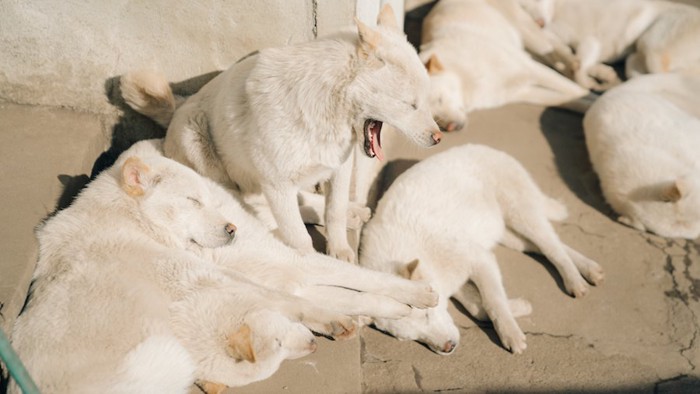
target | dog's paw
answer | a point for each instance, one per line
(344, 254)
(606, 77)
(424, 296)
(211, 387)
(576, 287)
(594, 273)
(358, 215)
(345, 328)
(519, 307)
(512, 337)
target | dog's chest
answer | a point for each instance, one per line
(325, 157)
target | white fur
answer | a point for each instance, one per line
(484, 64)
(659, 36)
(450, 221)
(643, 138)
(116, 264)
(286, 118)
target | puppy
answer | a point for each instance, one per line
(659, 36)
(486, 197)
(113, 264)
(475, 59)
(273, 123)
(643, 139)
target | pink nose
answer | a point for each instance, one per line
(437, 136)
(449, 346)
(231, 229)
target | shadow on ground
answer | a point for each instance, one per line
(564, 134)
(131, 126)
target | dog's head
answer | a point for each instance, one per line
(174, 203)
(391, 86)
(446, 100)
(432, 327)
(267, 338)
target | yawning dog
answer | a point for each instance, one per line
(284, 119)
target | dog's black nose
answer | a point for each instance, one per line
(231, 229)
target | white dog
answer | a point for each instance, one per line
(643, 139)
(659, 36)
(442, 229)
(286, 118)
(476, 60)
(118, 286)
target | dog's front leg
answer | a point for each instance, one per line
(283, 204)
(336, 213)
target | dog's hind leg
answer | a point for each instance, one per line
(468, 295)
(532, 224)
(590, 270)
(487, 278)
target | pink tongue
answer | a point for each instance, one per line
(376, 147)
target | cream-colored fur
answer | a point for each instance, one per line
(120, 279)
(441, 226)
(286, 118)
(643, 139)
(659, 36)
(475, 53)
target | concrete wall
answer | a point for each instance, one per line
(64, 53)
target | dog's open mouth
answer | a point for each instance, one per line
(373, 139)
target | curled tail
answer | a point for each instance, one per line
(149, 93)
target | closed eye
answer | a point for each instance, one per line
(195, 201)
(412, 104)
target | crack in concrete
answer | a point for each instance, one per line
(546, 334)
(669, 380)
(417, 377)
(581, 229)
(314, 17)
(676, 292)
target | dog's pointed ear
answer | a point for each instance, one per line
(674, 192)
(387, 18)
(434, 65)
(240, 344)
(369, 38)
(133, 176)
(409, 271)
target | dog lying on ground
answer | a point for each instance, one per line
(442, 230)
(476, 60)
(659, 36)
(118, 289)
(273, 123)
(643, 139)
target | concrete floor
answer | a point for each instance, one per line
(637, 332)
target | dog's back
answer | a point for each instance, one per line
(643, 138)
